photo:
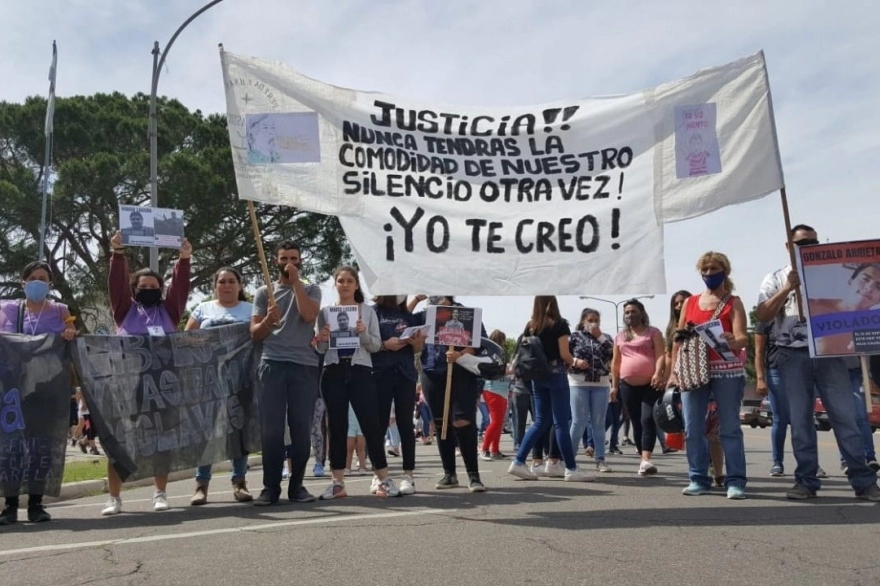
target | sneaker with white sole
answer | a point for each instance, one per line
(578, 475)
(537, 469)
(695, 489)
(486, 456)
(374, 484)
(601, 466)
(646, 468)
(521, 471)
(872, 493)
(387, 488)
(113, 506)
(556, 470)
(407, 485)
(336, 490)
(160, 501)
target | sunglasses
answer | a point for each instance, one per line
(806, 242)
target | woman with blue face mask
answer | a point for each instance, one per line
(726, 379)
(34, 315)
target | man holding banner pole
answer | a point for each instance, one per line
(778, 302)
(288, 372)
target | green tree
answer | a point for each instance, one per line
(101, 160)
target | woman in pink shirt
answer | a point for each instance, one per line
(637, 374)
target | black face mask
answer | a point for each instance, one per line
(148, 297)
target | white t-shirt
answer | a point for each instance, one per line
(788, 330)
(211, 314)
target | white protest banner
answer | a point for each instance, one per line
(562, 198)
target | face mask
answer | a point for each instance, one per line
(714, 280)
(400, 299)
(148, 297)
(36, 291)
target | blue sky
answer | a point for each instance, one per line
(823, 59)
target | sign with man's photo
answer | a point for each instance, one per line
(343, 331)
(454, 325)
(144, 226)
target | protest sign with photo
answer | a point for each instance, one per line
(35, 390)
(509, 199)
(170, 403)
(136, 225)
(168, 227)
(343, 320)
(454, 325)
(711, 333)
(841, 285)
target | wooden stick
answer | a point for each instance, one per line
(866, 382)
(791, 251)
(262, 254)
(447, 399)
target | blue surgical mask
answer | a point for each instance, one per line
(36, 291)
(714, 280)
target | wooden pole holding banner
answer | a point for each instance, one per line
(447, 399)
(791, 252)
(866, 382)
(263, 264)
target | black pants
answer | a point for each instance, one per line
(639, 402)
(522, 406)
(393, 387)
(343, 384)
(463, 407)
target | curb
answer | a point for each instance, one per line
(75, 490)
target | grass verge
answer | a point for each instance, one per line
(79, 471)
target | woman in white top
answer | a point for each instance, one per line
(229, 306)
(348, 380)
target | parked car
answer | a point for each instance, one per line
(766, 412)
(751, 415)
(823, 423)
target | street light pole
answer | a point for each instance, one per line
(158, 62)
(616, 305)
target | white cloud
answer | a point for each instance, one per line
(822, 57)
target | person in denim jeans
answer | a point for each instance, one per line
(590, 386)
(551, 396)
(770, 385)
(855, 379)
(726, 380)
(288, 373)
(799, 374)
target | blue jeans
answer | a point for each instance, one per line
(239, 469)
(855, 379)
(728, 394)
(552, 407)
(589, 406)
(781, 418)
(484, 417)
(289, 392)
(830, 376)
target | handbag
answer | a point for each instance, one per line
(692, 361)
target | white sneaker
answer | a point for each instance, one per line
(285, 472)
(556, 470)
(113, 506)
(521, 471)
(646, 468)
(374, 484)
(536, 469)
(387, 488)
(578, 475)
(160, 501)
(407, 485)
(601, 466)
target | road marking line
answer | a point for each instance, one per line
(186, 496)
(260, 527)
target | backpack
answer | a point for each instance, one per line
(531, 362)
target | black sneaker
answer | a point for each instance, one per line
(82, 447)
(38, 514)
(475, 484)
(300, 495)
(94, 452)
(448, 481)
(9, 516)
(265, 499)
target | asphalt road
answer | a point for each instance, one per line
(619, 530)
